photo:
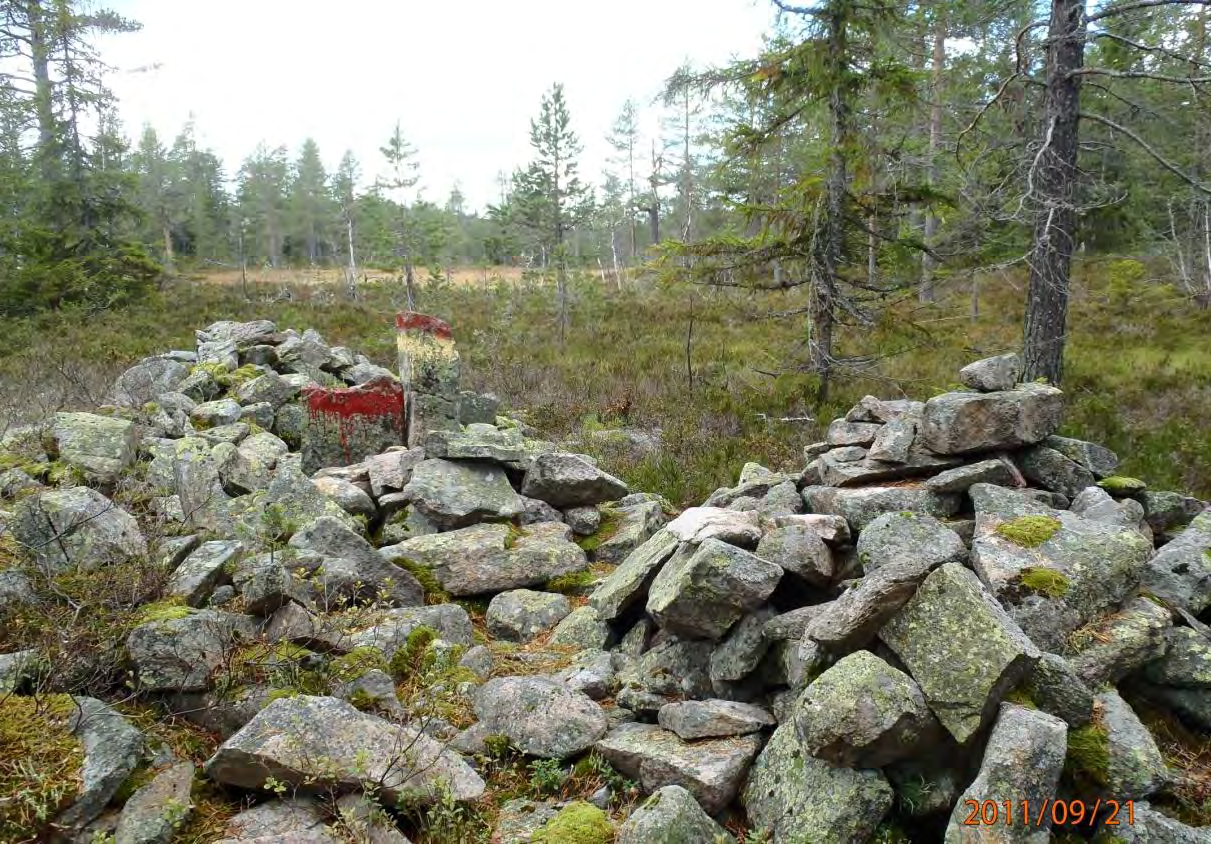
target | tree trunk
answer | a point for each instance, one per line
(1054, 184)
(168, 254)
(40, 46)
(352, 262)
(823, 305)
(928, 265)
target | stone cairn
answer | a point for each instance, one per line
(937, 613)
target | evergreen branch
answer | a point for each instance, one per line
(1114, 11)
(1141, 74)
(1148, 48)
(1148, 148)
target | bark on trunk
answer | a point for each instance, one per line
(1054, 183)
(928, 265)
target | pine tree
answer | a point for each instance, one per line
(308, 205)
(400, 156)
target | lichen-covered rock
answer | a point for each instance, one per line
(582, 628)
(179, 648)
(960, 423)
(491, 558)
(267, 582)
(322, 742)
(392, 470)
(852, 620)
(19, 668)
(1049, 469)
(863, 713)
(1121, 643)
(843, 432)
(961, 647)
(834, 530)
(541, 716)
(893, 537)
(146, 381)
(584, 521)
(153, 814)
(1058, 691)
(199, 573)
(365, 573)
(671, 815)
(894, 440)
(862, 506)
(628, 584)
(997, 471)
(799, 798)
(704, 593)
(1135, 767)
(1055, 570)
(591, 672)
(1186, 662)
(388, 630)
(799, 550)
(698, 524)
(477, 442)
(212, 414)
(1098, 459)
(567, 480)
(299, 820)
(112, 750)
(739, 654)
(675, 669)
(521, 614)
(101, 447)
(1098, 505)
(351, 498)
(1022, 765)
(695, 719)
(989, 375)
(460, 494)
(76, 527)
(633, 525)
(712, 770)
(1148, 826)
(1180, 573)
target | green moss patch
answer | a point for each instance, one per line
(1044, 581)
(355, 664)
(1029, 531)
(611, 522)
(1121, 485)
(40, 763)
(577, 823)
(169, 609)
(410, 659)
(572, 584)
(434, 593)
(1088, 757)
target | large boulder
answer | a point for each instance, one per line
(459, 494)
(364, 572)
(961, 647)
(1134, 767)
(1180, 573)
(695, 719)
(567, 480)
(154, 812)
(704, 593)
(862, 506)
(490, 558)
(112, 750)
(671, 815)
(632, 525)
(388, 630)
(698, 524)
(75, 528)
(1049, 469)
(798, 549)
(798, 798)
(1055, 570)
(989, 375)
(299, 820)
(477, 442)
(628, 584)
(1022, 765)
(521, 614)
(178, 649)
(540, 716)
(198, 574)
(863, 713)
(99, 446)
(959, 423)
(146, 381)
(318, 743)
(1120, 643)
(894, 536)
(712, 770)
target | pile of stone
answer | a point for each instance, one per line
(943, 606)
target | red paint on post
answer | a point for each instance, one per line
(412, 321)
(377, 401)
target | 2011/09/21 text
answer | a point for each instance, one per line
(1058, 812)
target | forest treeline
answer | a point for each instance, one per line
(871, 151)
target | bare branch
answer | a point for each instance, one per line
(1148, 48)
(1141, 74)
(1148, 148)
(1114, 11)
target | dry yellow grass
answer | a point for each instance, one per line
(328, 276)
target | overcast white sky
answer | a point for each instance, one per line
(464, 77)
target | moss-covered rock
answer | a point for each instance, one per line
(1029, 531)
(577, 823)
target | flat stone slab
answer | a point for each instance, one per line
(346, 425)
(710, 769)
